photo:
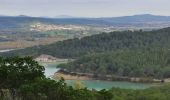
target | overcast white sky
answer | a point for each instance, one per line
(84, 8)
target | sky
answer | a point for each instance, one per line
(84, 8)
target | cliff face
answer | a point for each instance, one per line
(6, 94)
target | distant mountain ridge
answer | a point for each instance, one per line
(65, 16)
(139, 18)
(136, 21)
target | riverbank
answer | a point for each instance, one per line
(84, 76)
(59, 75)
(90, 81)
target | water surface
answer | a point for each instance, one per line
(99, 85)
(50, 69)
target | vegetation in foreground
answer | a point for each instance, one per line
(23, 79)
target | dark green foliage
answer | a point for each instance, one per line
(44, 89)
(48, 89)
(16, 71)
(100, 43)
(132, 63)
(158, 93)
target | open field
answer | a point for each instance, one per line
(18, 44)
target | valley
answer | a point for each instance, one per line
(96, 57)
(84, 50)
(133, 56)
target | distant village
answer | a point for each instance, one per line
(47, 27)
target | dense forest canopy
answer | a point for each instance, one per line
(132, 63)
(16, 71)
(73, 48)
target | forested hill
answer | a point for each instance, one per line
(128, 63)
(100, 43)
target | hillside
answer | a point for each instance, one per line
(100, 43)
(127, 63)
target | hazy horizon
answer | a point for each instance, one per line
(80, 8)
(69, 16)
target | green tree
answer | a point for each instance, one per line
(16, 71)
